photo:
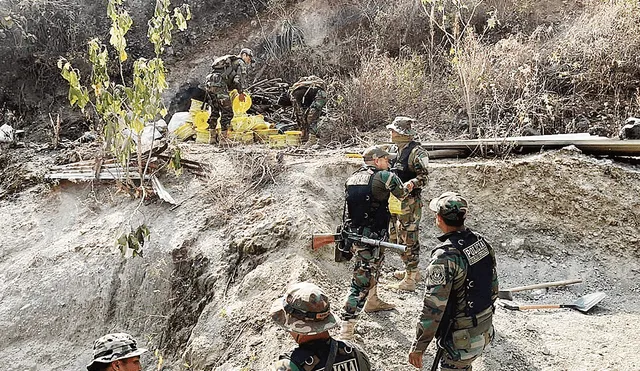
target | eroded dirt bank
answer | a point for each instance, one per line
(204, 286)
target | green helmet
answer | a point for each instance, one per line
(304, 309)
(113, 347)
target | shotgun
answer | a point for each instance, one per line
(320, 240)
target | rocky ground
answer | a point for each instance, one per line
(202, 291)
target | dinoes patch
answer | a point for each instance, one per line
(437, 275)
(476, 252)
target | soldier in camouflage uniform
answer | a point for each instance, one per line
(116, 352)
(304, 311)
(367, 213)
(461, 287)
(411, 166)
(308, 97)
(228, 73)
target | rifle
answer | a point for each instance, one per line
(320, 240)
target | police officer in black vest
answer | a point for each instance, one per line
(305, 313)
(461, 287)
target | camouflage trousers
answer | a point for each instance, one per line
(308, 118)
(218, 98)
(365, 277)
(404, 229)
(477, 345)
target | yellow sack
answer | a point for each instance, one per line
(200, 120)
(395, 205)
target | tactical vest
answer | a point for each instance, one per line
(364, 210)
(401, 166)
(313, 357)
(477, 288)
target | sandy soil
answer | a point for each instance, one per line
(202, 291)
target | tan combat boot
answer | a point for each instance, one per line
(408, 283)
(374, 303)
(400, 275)
(347, 330)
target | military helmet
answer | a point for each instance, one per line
(450, 206)
(402, 125)
(304, 309)
(113, 347)
(248, 52)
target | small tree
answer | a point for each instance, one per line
(126, 106)
(453, 18)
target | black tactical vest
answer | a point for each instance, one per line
(363, 209)
(313, 356)
(401, 166)
(477, 252)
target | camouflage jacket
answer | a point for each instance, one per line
(447, 271)
(418, 163)
(233, 72)
(312, 356)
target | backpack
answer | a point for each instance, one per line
(222, 63)
(308, 82)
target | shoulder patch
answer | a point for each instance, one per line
(477, 251)
(436, 275)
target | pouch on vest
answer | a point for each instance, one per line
(461, 339)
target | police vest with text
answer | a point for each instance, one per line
(306, 357)
(477, 252)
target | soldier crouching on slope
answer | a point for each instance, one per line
(228, 73)
(305, 312)
(116, 352)
(461, 287)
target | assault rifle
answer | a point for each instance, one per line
(320, 240)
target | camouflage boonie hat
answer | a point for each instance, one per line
(373, 153)
(304, 309)
(450, 206)
(113, 347)
(402, 125)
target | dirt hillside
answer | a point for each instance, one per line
(201, 293)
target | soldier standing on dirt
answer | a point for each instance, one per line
(367, 214)
(308, 97)
(116, 352)
(411, 166)
(304, 311)
(461, 287)
(228, 73)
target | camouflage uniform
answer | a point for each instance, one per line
(369, 258)
(461, 287)
(305, 310)
(308, 97)
(410, 165)
(111, 348)
(227, 73)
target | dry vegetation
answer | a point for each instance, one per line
(544, 67)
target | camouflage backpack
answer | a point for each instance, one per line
(222, 63)
(309, 82)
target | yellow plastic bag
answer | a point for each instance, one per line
(395, 205)
(200, 119)
(239, 108)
